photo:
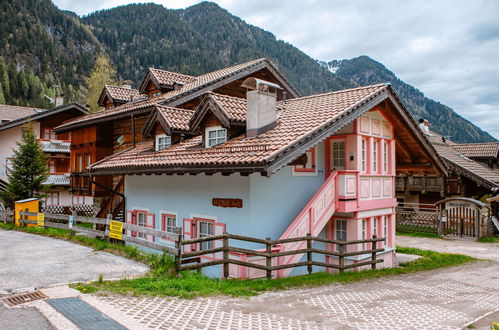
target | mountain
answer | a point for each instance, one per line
(40, 41)
(37, 37)
(196, 40)
(363, 70)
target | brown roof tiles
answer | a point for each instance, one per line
(122, 94)
(169, 78)
(13, 112)
(175, 117)
(299, 119)
(478, 150)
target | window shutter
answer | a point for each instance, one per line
(134, 222)
(150, 224)
(189, 233)
(129, 219)
(218, 229)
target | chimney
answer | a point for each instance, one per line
(261, 103)
(59, 100)
(127, 84)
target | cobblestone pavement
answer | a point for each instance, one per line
(441, 299)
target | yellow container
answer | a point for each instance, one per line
(30, 205)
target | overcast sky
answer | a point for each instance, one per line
(449, 49)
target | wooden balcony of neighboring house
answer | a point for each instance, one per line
(421, 183)
(58, 179)
(80, 183)
(55, 146)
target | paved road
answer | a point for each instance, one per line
(33, 261)
(440, 299)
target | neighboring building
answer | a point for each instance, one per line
(322, 164)
(13, 120)
(466, 177)
(486, 153)
(113, 96)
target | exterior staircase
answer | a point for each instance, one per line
(115, 203)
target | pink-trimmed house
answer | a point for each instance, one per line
(323, 164)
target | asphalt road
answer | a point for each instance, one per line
(30, 261)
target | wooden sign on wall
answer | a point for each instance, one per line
(227, 202)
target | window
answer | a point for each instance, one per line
(341, 231)
(375, 226)
(364, 155)
(52, 168)
(78, 200)
(385, 156)
(156, 93)
(375, 156)
(215, 136)
(205, 229)
(8, 165)
(339, 155)
(168, 223)
(52, 198)
(163, 141)
(309, 167)
(48, 134)
(141, 221)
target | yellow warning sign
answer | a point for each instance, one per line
(40, 221)
(116, 229)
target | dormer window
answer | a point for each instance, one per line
(162, 141)
(215, 135)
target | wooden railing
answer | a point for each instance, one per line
(115, 202)
(104, 233)
(269, 253)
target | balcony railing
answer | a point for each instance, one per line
(55, 146)
(58, 179)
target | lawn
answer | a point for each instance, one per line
(191, 284)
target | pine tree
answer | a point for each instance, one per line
(29, 170)
(103, 73)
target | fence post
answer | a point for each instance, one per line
(226, 255)
(106, 228)
(374, 246)
(268, 250)
(178, 245)
(309, 253)
(73, 214)
(341, 250)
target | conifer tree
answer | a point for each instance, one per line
(103, 73)
(29, 170)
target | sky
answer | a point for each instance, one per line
(448, 49)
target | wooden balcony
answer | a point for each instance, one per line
(419, 183)
(58, 179)
(54, 146)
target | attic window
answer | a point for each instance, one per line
(162, 141)
(215, 135)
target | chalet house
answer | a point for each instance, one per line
(13, 120)
(117, 128)
(263, 167)
(467, 177)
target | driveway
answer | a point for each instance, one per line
(31, 261)
(446, 298)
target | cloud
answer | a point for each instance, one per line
(447, 49)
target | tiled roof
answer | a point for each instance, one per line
(299, 119)
(13, 112)
(478, 150)
(201, 81)
(121, 94)
(169, 78)
(468, 167)
(233, 107)
(175, 117)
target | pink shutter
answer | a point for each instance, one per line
(129, 219)
(150, 224)
(134, 222)
(189, 233)
(218, 229)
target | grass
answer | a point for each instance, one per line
(489, 239)
(191, 284)
(419, 234)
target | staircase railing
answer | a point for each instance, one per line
(311, 220)
(115, 202)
